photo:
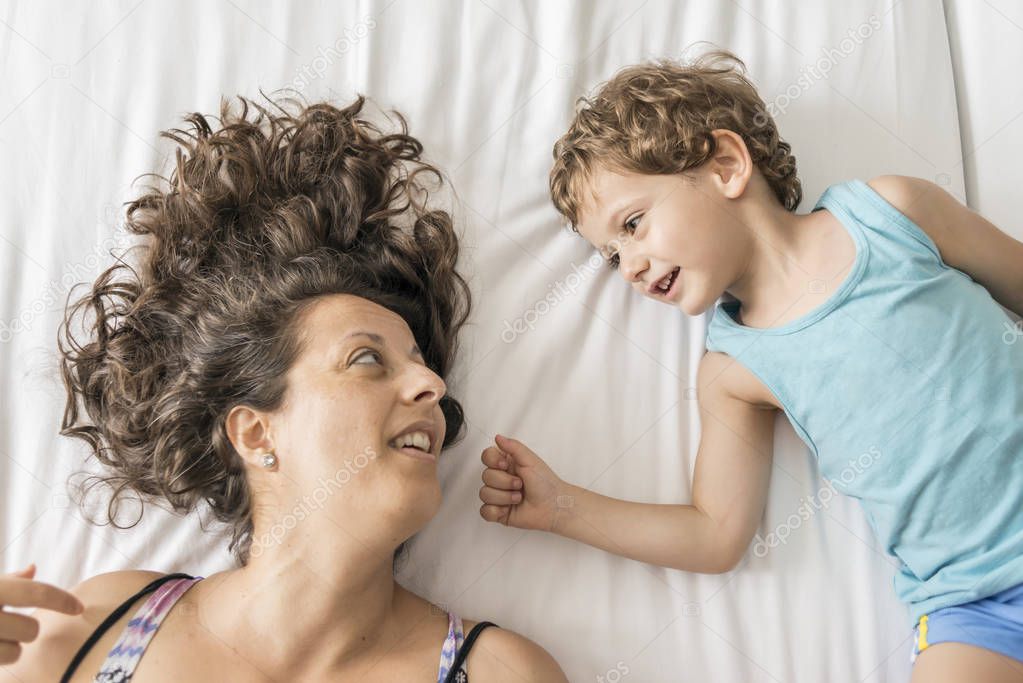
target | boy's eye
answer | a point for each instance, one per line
(612, 262)
(633, 223)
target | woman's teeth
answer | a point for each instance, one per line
(420, 440)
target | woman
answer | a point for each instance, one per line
(278, 353)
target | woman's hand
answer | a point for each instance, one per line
(17, 589)
(520, 489)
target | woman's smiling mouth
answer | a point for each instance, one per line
(415, 443)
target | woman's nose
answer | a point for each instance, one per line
(425, 385)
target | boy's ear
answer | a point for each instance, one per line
(731, 166)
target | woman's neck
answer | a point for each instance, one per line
(308, 607)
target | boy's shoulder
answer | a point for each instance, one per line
(720, 372)
(927, 205)
(913, 197)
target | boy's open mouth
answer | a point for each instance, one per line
(664, 286)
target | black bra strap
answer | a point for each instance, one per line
(112, 619)
(463, 651)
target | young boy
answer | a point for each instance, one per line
(889, 289)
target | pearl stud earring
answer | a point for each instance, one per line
(269, 460)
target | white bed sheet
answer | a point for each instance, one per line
(987, 48)
(598, 385)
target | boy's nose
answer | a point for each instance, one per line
(633, 268)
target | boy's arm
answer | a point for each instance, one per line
(730, 483)
(965, 239)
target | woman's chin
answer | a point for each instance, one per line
(420, 500)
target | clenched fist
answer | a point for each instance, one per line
(520, 489)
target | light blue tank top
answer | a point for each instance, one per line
(908, 390)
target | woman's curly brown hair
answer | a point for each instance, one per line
(656, 118)
(277, 206)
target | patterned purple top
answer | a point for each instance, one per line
(124, 657)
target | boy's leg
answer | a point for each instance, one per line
(958, 662)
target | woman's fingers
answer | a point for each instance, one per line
(18, 589)
(493, 496)
(18, 627)
(18, 592)
(499, 479)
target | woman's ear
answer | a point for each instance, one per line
(249, 432)
(731, 166)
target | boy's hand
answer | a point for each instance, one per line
(519, 489)
(17, 589)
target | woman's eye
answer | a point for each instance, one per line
(368, 353)
(633, 223)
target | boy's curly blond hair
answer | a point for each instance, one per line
(656, 118)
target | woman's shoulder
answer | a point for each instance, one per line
(502, 655)
(61, 635)
(113, 585)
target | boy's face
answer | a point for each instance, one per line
(663, 230)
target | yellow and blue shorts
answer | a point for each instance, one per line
(994, 623)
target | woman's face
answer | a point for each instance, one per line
(361, 427)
